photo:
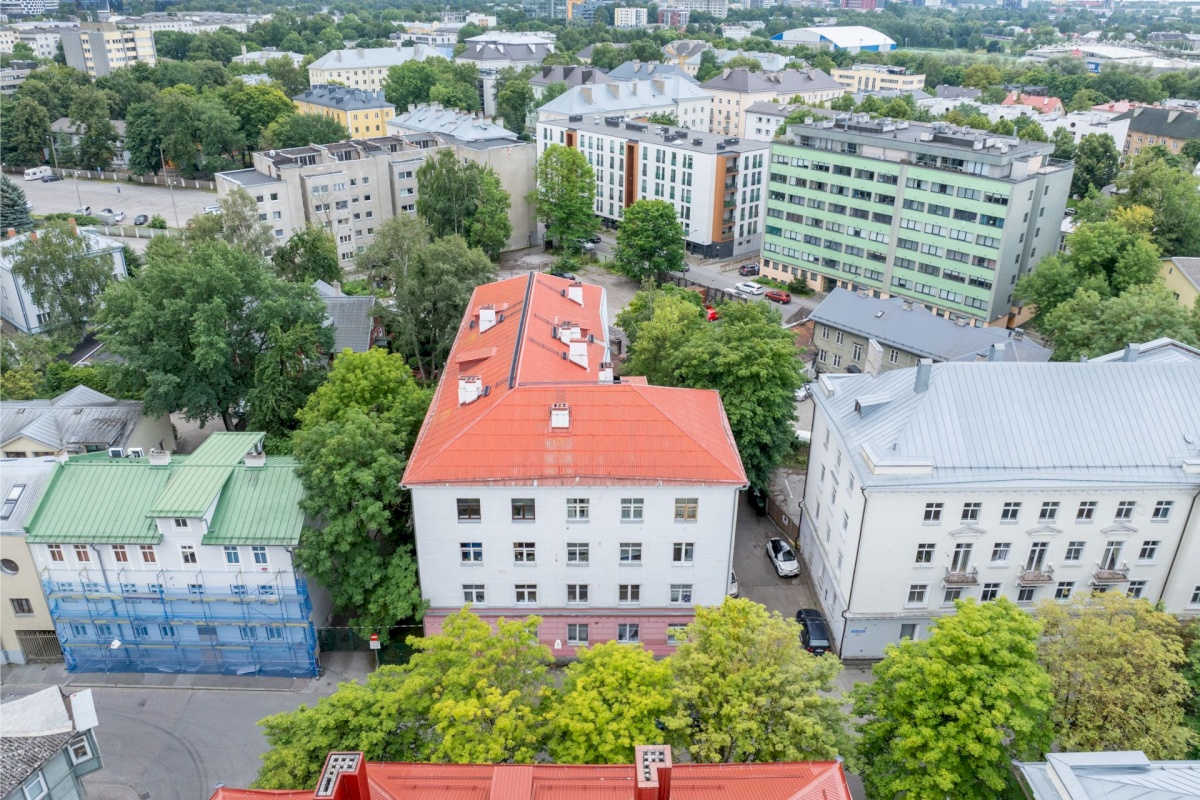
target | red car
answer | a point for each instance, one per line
(779, 296)
(713, 316)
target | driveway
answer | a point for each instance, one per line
(134, 198)
(757, 579)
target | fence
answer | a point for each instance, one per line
(786, 521)
(40, 647)
(395, 651)
(145, 180)
(134, 232)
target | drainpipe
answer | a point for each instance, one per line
(1191, 511)
(104, 574)
(853, 574)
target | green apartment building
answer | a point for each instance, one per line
(948, 217)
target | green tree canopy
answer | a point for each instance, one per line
(64, 278)
(1096, 161)
(310, 255)
(659, 326)
(945, 715)
(566, 190)
(90, 112)
(236, 223)
(464, 199)
(14, 213)
(256, 107)
(650, 240)
(297, 130)
(1089, 324)
(514, 103)
(1173, 194)
(26, 132)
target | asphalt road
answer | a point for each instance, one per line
(133, 199)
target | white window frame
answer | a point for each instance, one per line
(629, 594)
(933, 513)
(29, 786)
(1010, 514)
(236, 552)
(260, 550)
(525, 552)
(576, 628)
(87, 749)
(470, 552)
(631, 554)
(628, 633)
(1162, 511)
(578, 553)
(578, 509)
(577, 594)
(526, 594)
(918, 595)
(681, 594)
(632, 509)
(683, 553)
(187, 551)
(478, 592)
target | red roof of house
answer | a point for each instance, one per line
(1044, 105)
(619, 432)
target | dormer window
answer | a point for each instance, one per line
(180, 522)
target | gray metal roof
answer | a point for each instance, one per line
(570, 76)
(785, 82)
(1125, 775)
(666, 136)
(621, 96)
(33, 474)
(344, 99)
(1190, 267)
(351, 316)
(1007, 424)
(910, 327)
(1164, 350)
(957, 92)
(71, 421)
(379, 57)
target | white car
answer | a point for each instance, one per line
(734, 591)
(784, 558)
(745, 287)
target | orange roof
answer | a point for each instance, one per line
(513, 371)
(1042, 104)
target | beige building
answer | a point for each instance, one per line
(735, 90)
(1182, 277)
(1170, 128)
(878, 78)
(98, 48)
(365, 68)
(26, 631)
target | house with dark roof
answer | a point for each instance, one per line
(964, 93)
(735, 90)
(1171, 128)
(648, 70)
(568, 76)
(48, 744)
(352, 318)
(363, 113)
(80, 420)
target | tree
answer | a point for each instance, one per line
(606, 56)
(650, 240)
(1096, 162)
(1064, 146)
(310, 255)
(298, 130)
(1114, 663)
(26, 130)
(90, 110)
(981, 76)
(674, 319)
(193, 323)
(490, 227)
(513, 104)
(1173, 193)
(747, 690)
(284, 377)
(1091, 325)
(393, 251)
(256, 107)
(566, 189)
(946, 715)
(63, 277)
(448, 193)
(236, 223)
(613, 697)
(663, 118)
(143, 138)
(1191, 674)
(14, 211)
(743, 62)
(356, 431)
(710, 66)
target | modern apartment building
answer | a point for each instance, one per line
(542, 484)
(953, 481)
(717, 8)
(949, 217)
(98, 48)
(366, 68)
(629, 17)
(178, 563)
(43, 41)
(362, 113)
(735, 90)
(715, 183)
(878, 78)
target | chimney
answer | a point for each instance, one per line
(575, 292)
(253, 460)
(907, 305)
(470, 387)
(569, 331)
(560, 416)
(487, 318)
(12, 232)
(160, 458)
(606, 372)
(578, 353)
(243, 49)
(652, 765)
(996, 352)
(1132, 351)
(924, 367)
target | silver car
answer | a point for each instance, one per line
(784, 558)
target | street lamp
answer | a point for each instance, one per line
(54, 152)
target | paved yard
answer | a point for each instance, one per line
(133, 199)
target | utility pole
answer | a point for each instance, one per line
(170, 188)
(54, 151)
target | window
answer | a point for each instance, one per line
(627, 633)
(21, 606)
(1049, 512)
(1010, 512)
(893, 356)
(962, 557)
(685, 508)
(908, 630)
(120, 554)
(232, 555)
(1000, 552)
(950, 595)
(248, 632)
(857, 352)
(238, 589)
(681, 552)
(925, 553)
(577, 553)
(10, 502)
(148, 555)
(676, 634)
(56, 552)
(82, 553)
(1149, 550)
(577, 634)
(837, 361)
(522, 508)
(526, 592)
(166, 631)
(577, 509)
(1136, 589)
(1125, 509)
(1026, 594)
(104, 630)
(631, 509)
(141, 631)
(180, 522)
(629, 593)
(990, 592)
(188, 554)
(916, 594)
(473, 593)
(1195, 601)
(274, 633)
(1162, 510)
(1063, 590)
(35, 787)
(469, 509)
(79, 630)
(524, 552)
(681, 593)
(577, 592)
(260, 554)
(1074, 552)
(1086, 511)
(631, 552)
(1112, 555)
(970, 512)
(933, 512)
(195, 588)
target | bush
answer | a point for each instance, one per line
(158, 222)
(770, 282)
(65, 216)
(799, 286)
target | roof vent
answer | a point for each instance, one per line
(160, 458)
(575, 292)
(487, 318)
(996, 352)
(1132, 351)
(569, 332)
(924, 368)
(907, 305)
(255, 460)
(470, 387)
(560, 416)
(606, 372)
(1018, 334)
(578, 353)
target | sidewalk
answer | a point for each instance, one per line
(335, 668)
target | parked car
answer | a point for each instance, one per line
(50, 178)
(140, 219)
(734, 591)
(713, 316)
(117, 216)
(84, 211)
(779, 296)
(748, 269)
(784, 558)
(803, 393)
(586, 245)
(212, 209)
(758, 499)
(814, 633)
(568, 275)
(745, 287)
(595, 239)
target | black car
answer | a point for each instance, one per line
(758, 499)
(140, 219)
(814, 634)
(568, 275)
(595, 239)
(748, 269)
(50, 178)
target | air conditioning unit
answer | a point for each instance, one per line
(136, 452)
(116, 452)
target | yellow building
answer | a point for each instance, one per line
(26, 629)
(362, 113)
(98, 48)
(877, 78)
(1182, 277)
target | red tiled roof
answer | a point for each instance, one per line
(1043, 104)
(621, 432)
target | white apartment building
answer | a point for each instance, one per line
(669, 94)
(196, 22)
(981, 480)
(98, 48)
(8, 39)
(1083, 123)
(877, 78)
(261, 57)
(42, 40)
(543, 485)
(735, 90)
(718, 8)
(716, 184)
(629, 17)
(365, 68)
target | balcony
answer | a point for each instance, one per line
(1036, 577)
(969, 577)
(1111, 574)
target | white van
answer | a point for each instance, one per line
(37, 173)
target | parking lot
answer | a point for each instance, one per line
(68, 194)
